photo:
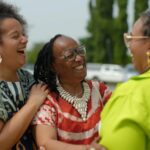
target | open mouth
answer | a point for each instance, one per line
(79, 67)
(21, 51)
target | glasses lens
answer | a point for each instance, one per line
(81, 50)
(69, 54)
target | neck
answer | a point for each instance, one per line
(75, 89)
(8, 75)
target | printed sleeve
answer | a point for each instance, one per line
(3, 112)
(46, 115)
(26, 77)
(30, 79)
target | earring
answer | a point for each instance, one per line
(148, 58)
(1, 59)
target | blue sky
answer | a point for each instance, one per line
(46, 18)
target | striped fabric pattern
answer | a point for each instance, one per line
(68, 122)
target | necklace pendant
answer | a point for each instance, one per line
(81, 107)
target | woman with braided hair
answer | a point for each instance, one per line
(69, 117)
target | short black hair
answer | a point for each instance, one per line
(11, 11)
(145, 16)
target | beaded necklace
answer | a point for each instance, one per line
(80, 104)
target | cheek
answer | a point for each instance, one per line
(138, 47)
(61, 68)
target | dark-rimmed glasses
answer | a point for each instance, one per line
(70, 54)
(128, 37)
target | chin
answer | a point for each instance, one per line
(21, 64)
(81, 77)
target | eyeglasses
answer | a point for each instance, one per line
(70, 54)
(128, 37)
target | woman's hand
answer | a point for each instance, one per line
(38, 94)
(95, 145)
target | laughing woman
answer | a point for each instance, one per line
(126, 117)
(69, 118)
(17, 106)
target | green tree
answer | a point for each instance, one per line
(120, 22)
(32, 54)
(105, 41)
(140, 6)
(99, 43)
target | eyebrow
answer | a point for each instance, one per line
(14, 32)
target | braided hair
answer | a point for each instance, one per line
(43, 70)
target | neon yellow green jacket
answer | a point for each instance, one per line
(126, 117)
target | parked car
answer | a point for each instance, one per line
(129, 71)
(110, 73)
(93, 71)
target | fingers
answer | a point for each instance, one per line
(102, 148)
(95, 146)
(42, 86)
(42, 148)
(96, 140)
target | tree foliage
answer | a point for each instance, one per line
(32, 54)
(120, 55)
(100, 39)
(105, 41)
(140, 6)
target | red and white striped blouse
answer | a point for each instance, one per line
(65, 118)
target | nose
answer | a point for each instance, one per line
(78, 57)
(24, 39)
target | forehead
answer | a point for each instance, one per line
(63, 43)
(10, 24)
(137, 27)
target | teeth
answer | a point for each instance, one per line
(21, 50)
(79, 67)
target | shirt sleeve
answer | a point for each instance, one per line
(30, 79)
(3, 112)
(46, 115)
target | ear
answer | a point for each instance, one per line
(1, 53)
(148, 45)
(148, 50)
(0, 49)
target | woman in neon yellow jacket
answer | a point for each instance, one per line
(126, 117)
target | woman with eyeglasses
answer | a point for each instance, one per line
(69, 117)
(126, 117)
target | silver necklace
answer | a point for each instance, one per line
(80, 104)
